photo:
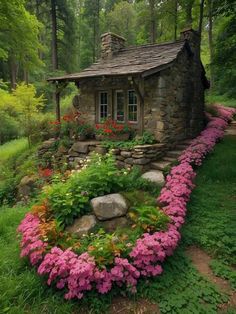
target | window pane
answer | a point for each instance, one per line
(132, 97)
(103, 98)
(120, 114)
(103, 105)
(133, 114)
(132, 106)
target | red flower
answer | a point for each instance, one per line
(45, 172)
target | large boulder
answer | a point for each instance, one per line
(26, 187)
(155, 176)
(82, 225)
(109, 206)
(113, 224)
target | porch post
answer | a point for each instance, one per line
(57, 98)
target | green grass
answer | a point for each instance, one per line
(12, 148)
(211, 216)
(181, 289)
(221, 99)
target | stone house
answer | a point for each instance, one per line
(155, 87)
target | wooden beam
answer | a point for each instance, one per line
(59, 87)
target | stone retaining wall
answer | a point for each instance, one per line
(139, 155)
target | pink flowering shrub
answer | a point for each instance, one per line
(79, 273)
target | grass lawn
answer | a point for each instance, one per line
(12, 148)
(211, 222)
(223, 100)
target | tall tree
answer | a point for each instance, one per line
(54, 35)
(19, 42)
(201, 17)
(210, 38)
(153, 21)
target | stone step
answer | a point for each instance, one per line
(174, 153)
(160, 165)
(181, 146)
(154, 176)
(171, 159)
(187, 141)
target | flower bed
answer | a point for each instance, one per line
(80, 273)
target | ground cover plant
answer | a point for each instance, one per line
(80, 273)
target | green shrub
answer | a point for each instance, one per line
(146, 138)
(9, 127)
(150, 218)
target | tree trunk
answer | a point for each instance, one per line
(210, 40)
(188, 11)
(175, 18)
(153, 23)
(201, 18)
(13, 72)
(37, 12)
(26, 76)
(54, 36)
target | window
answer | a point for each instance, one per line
(103, 105)
(120, 106)
(132, 106)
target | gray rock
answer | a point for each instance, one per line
(141, 161)
(125, 154)
(113, 224)
(82, 225)
(154, 176)
(80, 147)
(26, 187)
(109, 206)
(129, 161)
(100, 150)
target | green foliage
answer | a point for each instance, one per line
(145, 138)
(19, 32)
(222, 99)
(16, 161)
(12, 148)
(221, 269)
(138, 197)
(213, 204)
(181, 289)
(67, 202)
(224, 58)
(28, 105)
(149, 218)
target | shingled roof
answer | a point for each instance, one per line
(143, 60)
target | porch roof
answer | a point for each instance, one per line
(138, 60)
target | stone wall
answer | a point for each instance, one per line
(111, 44)
(174, 101)
(140, 155)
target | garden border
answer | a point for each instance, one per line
(80, 273)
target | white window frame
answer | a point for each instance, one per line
(115, 107)
(133, 122)
(100, 104)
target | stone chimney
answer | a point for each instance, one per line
(193, 39)
(111, 45)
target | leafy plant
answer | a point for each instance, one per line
(146, 138)
(150, 218)
(225, 271)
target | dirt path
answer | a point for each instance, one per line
(201, 261)
(231, 129)
(123, 305)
